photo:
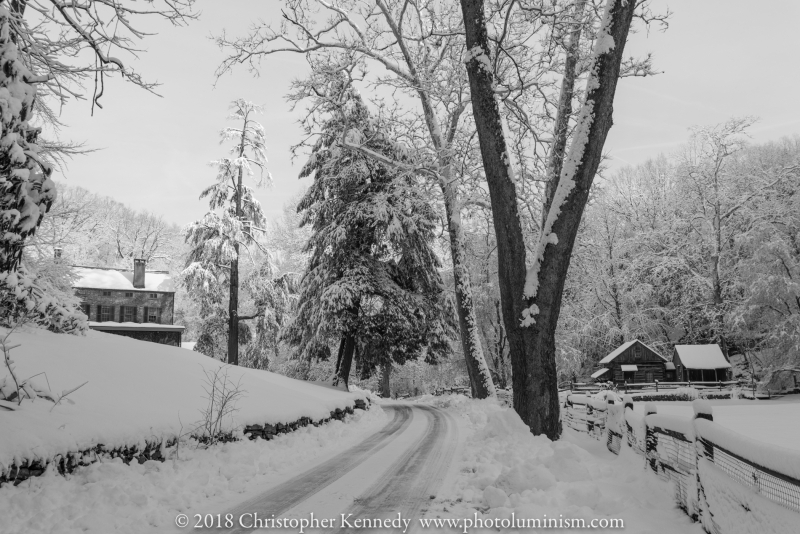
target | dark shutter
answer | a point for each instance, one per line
(158, 316)
(99, 313)
(144, 317)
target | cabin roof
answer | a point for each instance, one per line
(619, 350)
(599, 372)
(101, 278)
(702, 356)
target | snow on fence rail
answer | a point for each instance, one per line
(728, 482)
(594, 387)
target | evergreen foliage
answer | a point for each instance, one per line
(211, 275)
(26, 191)
(372, 284)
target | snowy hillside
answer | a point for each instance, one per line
(135, 391)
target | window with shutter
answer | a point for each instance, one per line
(145, 315)
(153, 315)
(130, 314)
(106, 313)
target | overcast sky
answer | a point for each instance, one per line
(720, 58)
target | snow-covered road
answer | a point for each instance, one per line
(395, 471)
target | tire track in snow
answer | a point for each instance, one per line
(413, 479)
(288, 494)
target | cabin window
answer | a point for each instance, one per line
(637, 352)
(152, 315)
(649, 377)
(106, 293)
(106, 314)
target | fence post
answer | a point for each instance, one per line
(656, 385)
(626, 387)
(702, 410)
(651, 439)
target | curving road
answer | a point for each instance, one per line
(395, 471)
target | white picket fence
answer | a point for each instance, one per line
(721, 478)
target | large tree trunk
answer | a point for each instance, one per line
(480, 379)
(347, 349)
(386, 374)
(532, 347)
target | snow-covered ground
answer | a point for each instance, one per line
(504, 472)
(773, 421)
(135, 391)
(110, 497)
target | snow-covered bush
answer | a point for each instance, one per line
(689, 393)
(24, 300)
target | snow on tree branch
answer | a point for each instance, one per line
(604, 44)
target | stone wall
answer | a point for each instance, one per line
(154, 450)
(158, 336)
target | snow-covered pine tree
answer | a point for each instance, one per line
(211, 275)
(26, 191)
(26, 194)
(372, 284)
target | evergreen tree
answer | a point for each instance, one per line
(372, 284)
(212, 267)
(26, 191)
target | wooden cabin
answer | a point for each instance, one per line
(701, 363)
(632, 362)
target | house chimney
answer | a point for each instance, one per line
(138, 273)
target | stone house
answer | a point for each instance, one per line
(134, 303)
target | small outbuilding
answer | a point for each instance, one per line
(701, 363)
(632, 362)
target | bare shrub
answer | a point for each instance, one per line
(222, 395)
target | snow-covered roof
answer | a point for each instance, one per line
(598, 373)
(702, 356)
(619, 350)
(97, 278)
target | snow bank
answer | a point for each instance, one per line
(136, 391)
(773, 457)
(109, 496)
(738, 510)
(505, 470)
